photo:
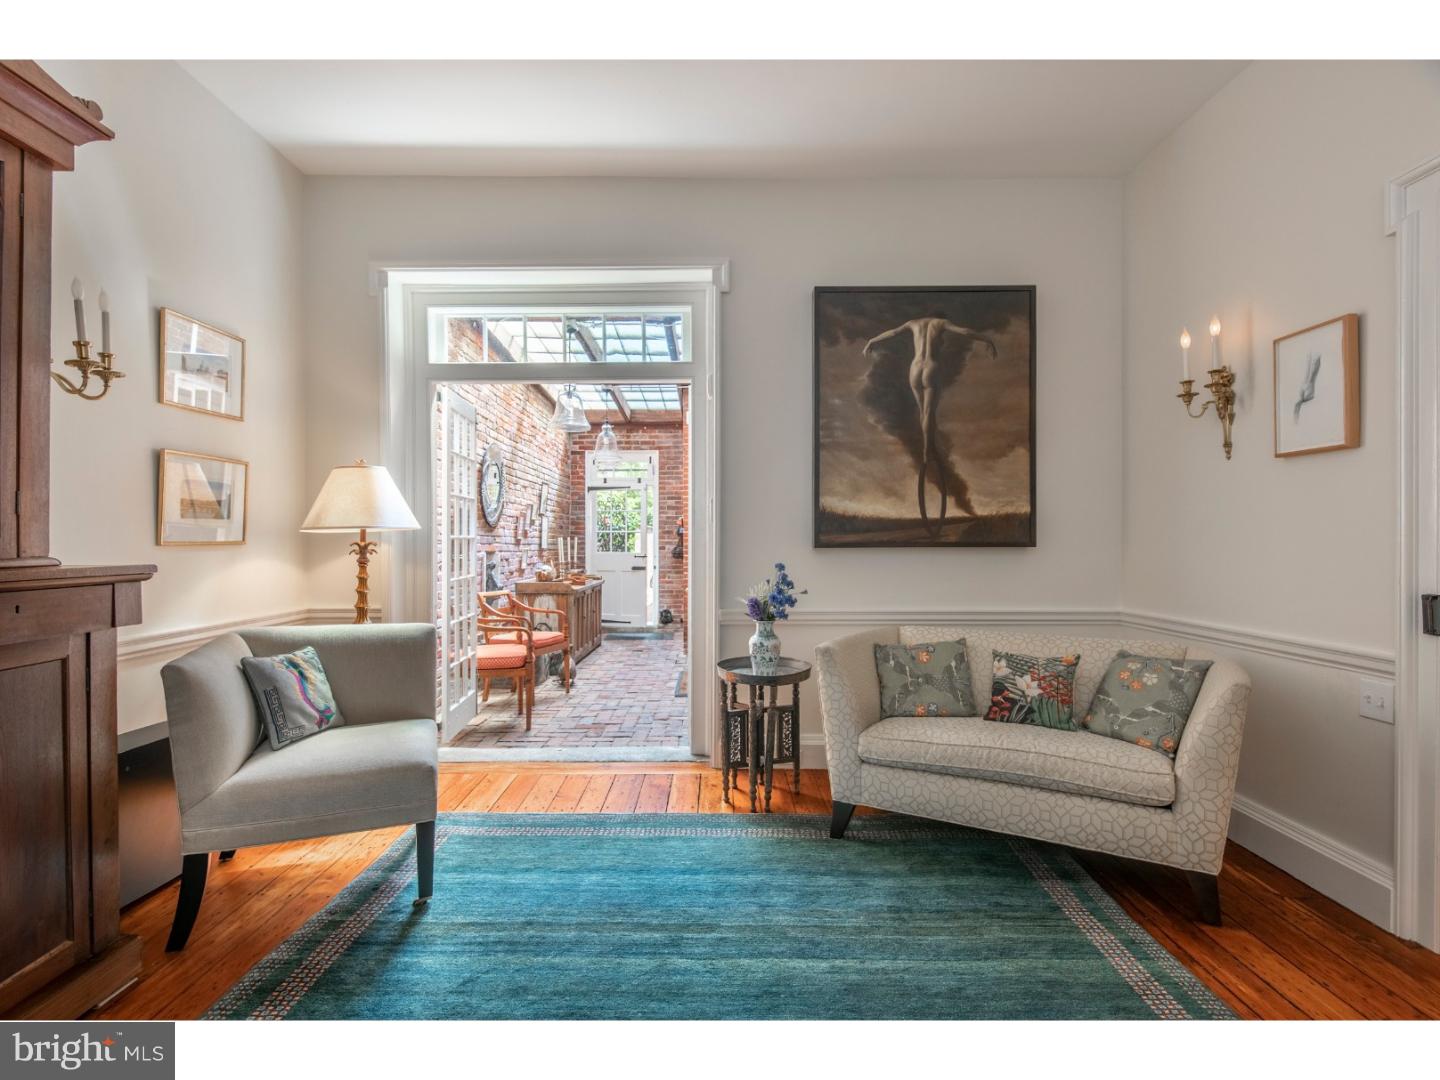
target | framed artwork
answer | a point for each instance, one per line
(203, 500)
(542, 503)
(925, 416)
(202, 368)
(1317, 388)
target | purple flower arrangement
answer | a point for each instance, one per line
(773, 598)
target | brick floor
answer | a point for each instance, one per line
(624, 695)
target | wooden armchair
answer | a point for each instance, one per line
(503, 605)
(507, 650)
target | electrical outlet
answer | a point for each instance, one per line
(1377, 700)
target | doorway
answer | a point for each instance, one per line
(549, 503)
(622, 535)
(649, 333)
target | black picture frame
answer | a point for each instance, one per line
(982, 532)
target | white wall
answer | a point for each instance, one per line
(782, 238)
(187, 208)
(1266, 207)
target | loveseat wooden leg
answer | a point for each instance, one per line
(1206, 888)
(187, 907)
(424, 860)
(840, 818)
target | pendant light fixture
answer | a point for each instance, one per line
(607, 448)
(569, 415)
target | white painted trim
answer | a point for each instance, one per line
(185, 638)
(1395, 192)
(472, 273)
(986, 617)
(1373, 663)
(1417, 433)
(1347, 876)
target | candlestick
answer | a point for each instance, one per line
(78, 292)
(1185, 352)
(104, 322)
(1214, 342)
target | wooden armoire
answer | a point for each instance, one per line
(61, 949)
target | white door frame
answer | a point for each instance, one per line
(652, 497)
(1413, 216)
(409, 295)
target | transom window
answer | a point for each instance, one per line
(514, 337)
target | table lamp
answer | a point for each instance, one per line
(359, 497)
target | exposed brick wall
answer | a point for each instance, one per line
(516, 418)
(671, 443)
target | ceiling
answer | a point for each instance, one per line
(729, 118)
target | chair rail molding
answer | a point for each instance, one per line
(181, 639)
(1412, 205)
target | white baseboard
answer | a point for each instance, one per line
(1347, 876)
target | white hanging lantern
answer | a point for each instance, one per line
(607, 448)
(569, 415)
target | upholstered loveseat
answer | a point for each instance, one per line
(1069, 787)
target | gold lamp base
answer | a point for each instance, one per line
(362, 549)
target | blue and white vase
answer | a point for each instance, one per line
(764, 648)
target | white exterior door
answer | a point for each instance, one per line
(620, 536)
(461, 573)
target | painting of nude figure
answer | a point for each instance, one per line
(925, 416)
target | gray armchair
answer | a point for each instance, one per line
(377, 769)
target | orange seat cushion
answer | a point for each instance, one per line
(499, 656)
(543, 638)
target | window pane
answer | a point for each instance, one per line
(576, 337)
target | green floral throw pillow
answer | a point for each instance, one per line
(1033, 690)
(925, 680)
(1146, 700)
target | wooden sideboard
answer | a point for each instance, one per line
(580, 603)
(61, 950)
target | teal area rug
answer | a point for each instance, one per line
(706, 916)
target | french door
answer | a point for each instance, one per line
(461, 572)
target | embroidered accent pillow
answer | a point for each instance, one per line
(925, 680)
(1146, 700)
(293, 694)
(1033, 690)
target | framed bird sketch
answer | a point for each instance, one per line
(925, 416)
(1317, 388)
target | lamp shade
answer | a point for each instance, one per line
(357, 497)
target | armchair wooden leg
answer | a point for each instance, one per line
(485, 691)
(1206, 888)
(226, 856)
(840, 818)
(528, 693)
(424, 860)
(192, 890)
(569, 671)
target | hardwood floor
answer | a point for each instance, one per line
(1285, 951)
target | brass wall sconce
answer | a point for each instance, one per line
(1221, 384)
(104, 368)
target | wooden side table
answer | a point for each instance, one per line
(758, 735)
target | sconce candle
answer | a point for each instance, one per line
(104, 322)
(1185, 353)
(78, 292)
(1221, 385)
